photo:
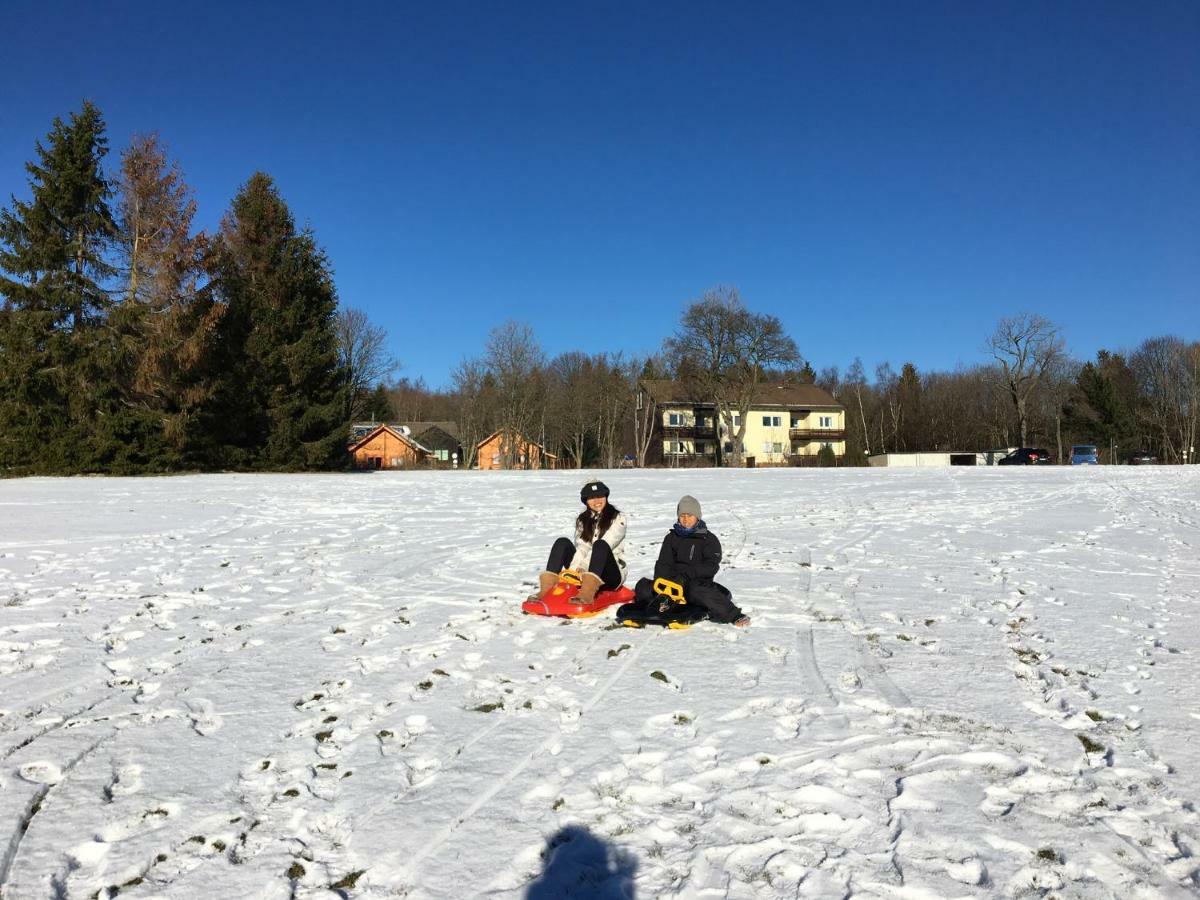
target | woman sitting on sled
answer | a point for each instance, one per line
(597, 553)
(690, 557)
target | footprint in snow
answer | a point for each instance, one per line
(204, 718)
(41, 772)
(776, 654)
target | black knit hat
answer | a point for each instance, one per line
(593, 489)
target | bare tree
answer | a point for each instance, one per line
(1166, 369)
(856, 378)
(363, 353)
(571, 403)
(724, 350)
(514, 360)
(614, 399)
(1026, 347)
(645, 407)
(475, 392)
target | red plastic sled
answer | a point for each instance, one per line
(558, 601)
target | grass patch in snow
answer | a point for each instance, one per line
(347, 881)
(295, 871)
(659, 676)
(1089, 745)
(618, 651)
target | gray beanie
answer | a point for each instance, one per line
(689, 505)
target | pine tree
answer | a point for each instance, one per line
(52, 254)
(281, 404)
(166, 321)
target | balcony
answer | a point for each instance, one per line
(817, 434)
(686, 432)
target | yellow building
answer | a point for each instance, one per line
(786, 424)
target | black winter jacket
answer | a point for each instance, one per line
(694, 559)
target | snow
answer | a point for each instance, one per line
(957, 683)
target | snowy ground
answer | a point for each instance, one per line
(957, 683)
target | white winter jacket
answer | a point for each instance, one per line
(614, 537)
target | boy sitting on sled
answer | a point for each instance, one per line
(690, 557)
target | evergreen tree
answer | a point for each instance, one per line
(1098, 410)
(52, 254)
(166, 322)
(281, 403)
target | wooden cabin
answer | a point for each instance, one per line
(527, 454)
(386, 447)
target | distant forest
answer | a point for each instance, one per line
(132, 343)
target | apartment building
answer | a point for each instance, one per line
(785, 422)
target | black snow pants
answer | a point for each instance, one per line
(709, 595)
(603, 565)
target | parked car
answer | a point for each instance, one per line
(1027, 456)
(1142, 458)
(1084, 455)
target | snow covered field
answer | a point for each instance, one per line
(958, 682)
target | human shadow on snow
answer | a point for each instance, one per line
(577, 864)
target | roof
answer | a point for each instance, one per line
(437, 438)
(391, 430)
(451, 428)
(789, 396)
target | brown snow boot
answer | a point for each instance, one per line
(546, 583)
(589, 586)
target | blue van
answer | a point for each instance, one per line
(1084, 455)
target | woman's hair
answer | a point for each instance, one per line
(587, 522)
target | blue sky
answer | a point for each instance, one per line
(887, 178)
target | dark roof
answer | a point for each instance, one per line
(451, 428)
(790, 396)
(437, 438)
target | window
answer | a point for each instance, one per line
(674, 419)
(701, 447)
(826, 421)
(767, 421)
(729, 446)
(772, 421)
(766, 446)
(737, 421)
(777, 447)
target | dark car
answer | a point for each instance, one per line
(1142, 458)
(1026, 456)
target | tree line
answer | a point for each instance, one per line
(131, 342)
(1028, 391)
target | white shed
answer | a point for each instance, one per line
(929, 459)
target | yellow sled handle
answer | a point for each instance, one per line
(670, 589)
(570, 576)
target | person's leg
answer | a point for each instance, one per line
(716, 599)
(603, 572)
(604, 566)
(560, 555)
